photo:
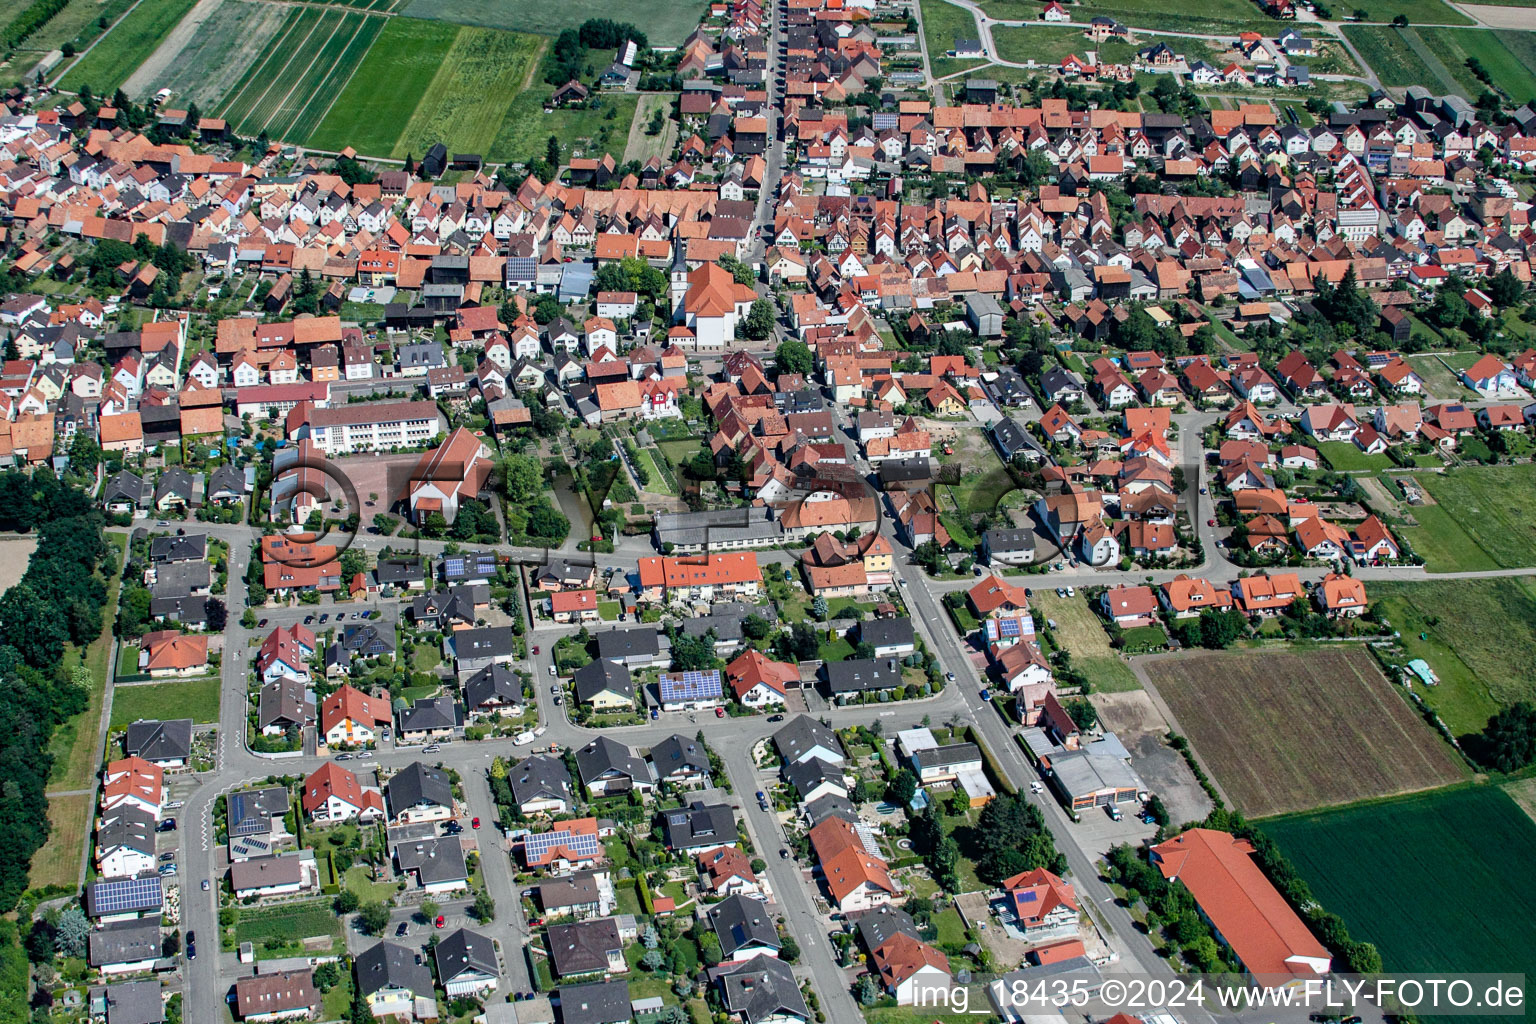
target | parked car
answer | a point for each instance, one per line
(1113, 812)
(1037, 786)
(168, 825)
(168, 856)
(552, 670)
(263, 622)
(474, 823)
(431, 748)
(401, 929)
(719, 712)
(205, 885)
(986, 695)
(441, 920)
(783, 853)
(775, 718)
(535, 648)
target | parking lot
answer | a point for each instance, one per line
(1141, 727)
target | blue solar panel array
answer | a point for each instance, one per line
(582, 844)
(127, 895)
(690, 685)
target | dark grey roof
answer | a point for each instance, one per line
(605, 757)
(762, 988)
(886, 632)
(155, 740)
(124, 486)
(431, 713)
(134, 1002)
(190, 548)
(174, 481)
(596, 676)
(802, 734)
(127, 826)
(433, 860)
(366, 640)
(541, 777)
(124, 942)
(878, 925)
(947, 756)
(863, 675)
(226, 480)
(833, 805)
(700, 825)
(283, 702)
(388, 966)
(392, 571)
(812, 772)
(598, 1002)
(678, 754)
(251, 811)
(628, 643)
(583, 947)
(465, 952)
(1010, 541)
(742, 921)
(417, 785)
(578, 890)
(178, 579)
(493, 683)
(487, 642)
(454, 603)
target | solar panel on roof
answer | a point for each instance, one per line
(582, 844)
(690, 685)
(1029, 896)
(127, 895)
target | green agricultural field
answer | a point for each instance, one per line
(391, 79)
(1216, 17)
(1493, 506)
(77, 23)
(467, 102)
(664, 22)
(1476, 635)
(197, 699)
(1375, 866)
(286, 92)
(1507, 57)
(1418, 12)
(1388, 53)
(112, 60)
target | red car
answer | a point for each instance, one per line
(535, 648)
(441, 920)
(719, 712)
(1210, 522)
(474, 823)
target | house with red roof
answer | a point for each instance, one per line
(574, 606)
(332, 794)
(1044, 906)
(1247, 913)
(349, 717)
(758, 680)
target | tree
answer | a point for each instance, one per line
(373, 918)
(740, 272)
(789, 949)
(1220, 629)
(709, 949)
(804, 644)
(1504, 288)
(428, 910)
(71, 931)
(545, 522)
(1082, 712)
(552, 150)
(218, 615)
(484, 908)
(1511, 737)
(819, 608)
(902, 788)
(612, 277)
(345, 902)
(759, 322)
(653, 959)
(362, 1013)
(755, 627)
(1011, 836)
(866, 990)
(794, 356)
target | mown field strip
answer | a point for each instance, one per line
(232, 108)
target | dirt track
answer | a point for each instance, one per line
(1500, 17)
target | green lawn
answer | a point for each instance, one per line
(1418, 12)
(1079, 631)
(1145, 638)
(679, 452)
(943, 23)
(357, 881)
(1346, 457)
(1373, 865)
(466, 103)
(665, 22)
(77, 23)
(1440, 381)
(600, 129)
(1493, 506)
(112, 60)
(949, 928)
(1476, 636)
(197, 699)
(658, 481)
